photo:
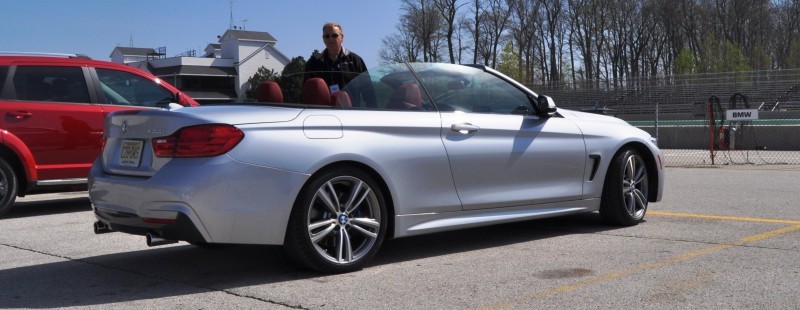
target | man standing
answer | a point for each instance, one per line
(338, 65)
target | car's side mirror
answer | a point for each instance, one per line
(176, 104)
(545, 105)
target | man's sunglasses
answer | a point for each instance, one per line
(328, 36)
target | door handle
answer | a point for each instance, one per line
(19, 115)
(464, 128)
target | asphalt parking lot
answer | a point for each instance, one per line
(720, 239)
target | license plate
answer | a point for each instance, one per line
(131, 153)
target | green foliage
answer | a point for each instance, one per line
(731, 59)
(262, 75)
(509, 63)
(793, 57)
(291, 79)
(760, 59)
(722, 56)
(685, 63)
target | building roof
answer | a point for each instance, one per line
(134, 51)
(250, 35)
(192, 70)
(211, 94)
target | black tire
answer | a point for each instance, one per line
(626, 189)
(8, 186)
(340, 232)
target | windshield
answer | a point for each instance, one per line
(405, 86)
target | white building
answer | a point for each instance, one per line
(126, 55)
(221, 74)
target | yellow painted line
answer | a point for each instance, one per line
(727, 218)
(641, 268)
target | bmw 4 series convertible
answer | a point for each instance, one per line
(401, 150)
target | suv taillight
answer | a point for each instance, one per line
(198, 141)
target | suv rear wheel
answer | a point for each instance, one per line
(8, 186)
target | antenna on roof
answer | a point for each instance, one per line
(131, 41)
(244, 23)
(230, 26)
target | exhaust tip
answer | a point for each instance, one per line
(156, 240)
(101, 228)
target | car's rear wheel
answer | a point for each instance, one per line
(625, 190)
(338, 222)
(8, 186)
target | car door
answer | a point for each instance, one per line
(502, 156)
(49, 110)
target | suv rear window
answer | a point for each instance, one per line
(60, 84)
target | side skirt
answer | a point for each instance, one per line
(418, 224)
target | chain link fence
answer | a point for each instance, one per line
(738, 119)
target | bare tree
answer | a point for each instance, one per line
(447, 9)
(496, 22)
(460, 37)
(523, 35)
(474, 26)
(588, 22)
(615, 41)
(554, 18)
(404, 45)
(425, 24)
(787, 24)
(641, 37)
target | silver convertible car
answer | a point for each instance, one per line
(402, 150)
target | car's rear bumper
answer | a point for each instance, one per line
(225, 202)
(181, 229)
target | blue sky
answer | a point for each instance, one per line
(95, 27)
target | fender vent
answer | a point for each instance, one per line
(595, 164)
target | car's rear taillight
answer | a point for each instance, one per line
(198, 141)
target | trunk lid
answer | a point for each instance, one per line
(128, 148)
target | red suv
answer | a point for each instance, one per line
(53, 107)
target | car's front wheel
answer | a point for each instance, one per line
(625, 190)
(338, 221)
(8, 186)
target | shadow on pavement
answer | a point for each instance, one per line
(48, 207)
(185, 269)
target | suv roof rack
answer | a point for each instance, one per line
(59, 55)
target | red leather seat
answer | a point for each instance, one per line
(341, 99)
(315, 91)
(406, 97)
(269, 92)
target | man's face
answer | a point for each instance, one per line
(333, 38)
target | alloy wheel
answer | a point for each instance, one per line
(344, 219)
(635, 186)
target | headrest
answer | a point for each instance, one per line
(341, 99)
(269, 92)
(406, 96)
(315, 91)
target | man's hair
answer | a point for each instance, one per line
(331, 26)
